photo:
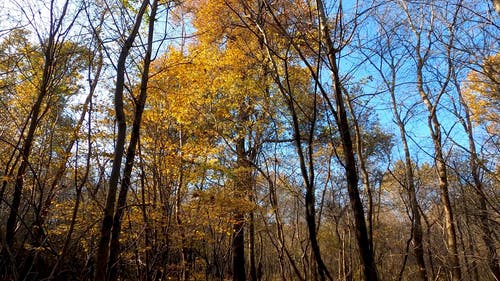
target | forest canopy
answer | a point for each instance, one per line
(249, 140)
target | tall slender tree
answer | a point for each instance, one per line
(140, 103)
(387, 60)
(51, 45)
(102, 255)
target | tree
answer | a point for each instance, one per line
(45, 87)
(215, 140)
(424, 41)
(44, 67)
(296, 33)
(102, 255)
(482, 94)
(481, 100)
(131, 149)
(387, 58)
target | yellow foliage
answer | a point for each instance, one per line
(483, 94)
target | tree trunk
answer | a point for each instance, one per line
(21, 171)
(421, 57)
(87, 106)
(410, 185)
(307, 170)
(38, 225)
(253, 267)
(242, 184)
(364, 171)
(365, 250)
(130, 156)
(435, 132)
(178, 214)
(306, 166)
(102, 255)
(48, 66)
(487, 233)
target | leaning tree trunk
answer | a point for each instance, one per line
(364, 170)
(49, 51)
(365, 250)
(412, 194)
(307, 171)
(435, 132)
(421, 55)
(306, 163)
(417, 232)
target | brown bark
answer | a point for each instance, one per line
(102, 255)
(486, 228)
(130, 155)
(243, 182)
(364, 171)
(417, 232)
(421, 56)
(49, 52)
(365, 250)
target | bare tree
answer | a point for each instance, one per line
(386, 57)
(131, 149)
(423, 30)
